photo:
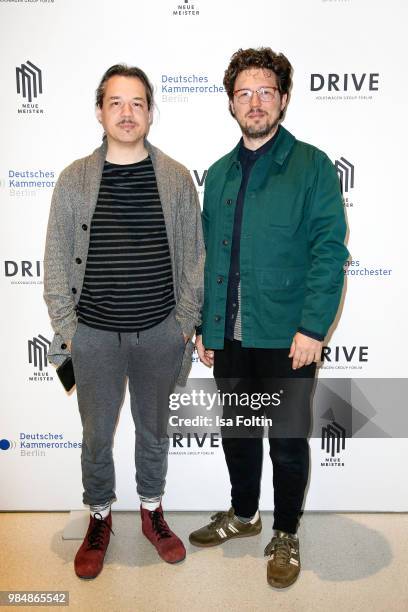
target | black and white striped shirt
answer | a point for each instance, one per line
(128, 284)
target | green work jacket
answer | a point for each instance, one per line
(292, 244)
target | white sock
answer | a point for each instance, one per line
(103, 510)
(255, 517)
(250, 519)
(151, 504)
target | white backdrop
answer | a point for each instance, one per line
(364, 128)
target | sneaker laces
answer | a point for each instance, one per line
(281, 548)
(218, 519)
(97, 535)
(159, 524)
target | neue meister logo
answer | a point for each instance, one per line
(29, 81)
(333, 438)
(345, 171)
(38, 352)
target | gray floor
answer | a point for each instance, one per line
(350, 562)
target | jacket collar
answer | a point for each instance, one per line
(98, 157)
(278, 152)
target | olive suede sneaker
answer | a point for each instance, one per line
(90, 556)
(284, 563)
(223, 527)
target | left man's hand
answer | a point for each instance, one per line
(304, 350)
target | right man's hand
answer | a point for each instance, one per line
(206, 356)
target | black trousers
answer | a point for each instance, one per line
(248, 372)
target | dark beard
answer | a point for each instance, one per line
(251, 132)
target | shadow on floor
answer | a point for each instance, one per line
(333, 546)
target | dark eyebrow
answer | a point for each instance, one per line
(118, 98)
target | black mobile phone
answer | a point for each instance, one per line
(66, 374)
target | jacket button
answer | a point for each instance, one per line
(63, 346)
(84, 226)
(78, 260)
(228, 202)
(220, 280)
(217, 318)
(73, 290)
(225, 242)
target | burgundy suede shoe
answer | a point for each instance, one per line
(89, 558)
(155, 528)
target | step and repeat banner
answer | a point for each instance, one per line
(349, 99)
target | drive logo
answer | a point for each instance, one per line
(344, 357)
(338, 353)
(24, 272)
(38, 358)
(345, 172)
(188, 440)
(7, 444)
(29, 82)
(333, 439)
(347, 86)
(344, 82)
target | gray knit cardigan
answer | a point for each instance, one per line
(73, 204)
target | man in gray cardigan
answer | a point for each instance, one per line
(123, 285)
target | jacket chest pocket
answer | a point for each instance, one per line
(281, 205)
(277, 213)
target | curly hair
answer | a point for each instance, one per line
(263, 57)
(126, 71)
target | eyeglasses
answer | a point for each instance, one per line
(265, 94)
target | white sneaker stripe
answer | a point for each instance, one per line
(221, 533)
(294, 562)
(232, 528)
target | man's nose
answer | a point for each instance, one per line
(255, 100)
(126, 109)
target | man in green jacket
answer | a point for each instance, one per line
(274, 230)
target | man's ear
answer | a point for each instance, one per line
(150, 117)
(284, 101)
(231, 105)
(98, 113)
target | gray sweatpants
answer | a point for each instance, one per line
(102, 360)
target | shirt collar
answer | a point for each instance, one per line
(248, 154)
(277, 148)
